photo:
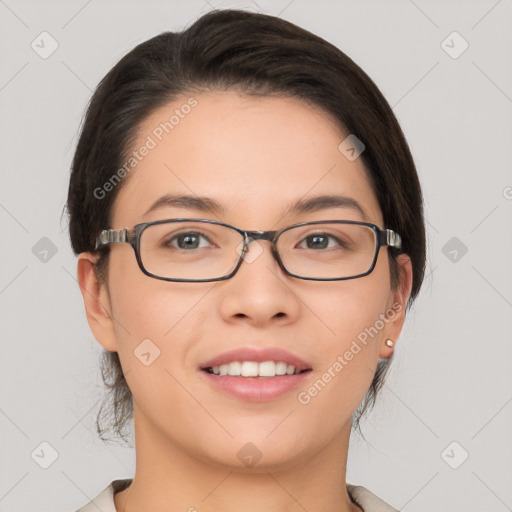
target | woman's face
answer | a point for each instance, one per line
(254, 157)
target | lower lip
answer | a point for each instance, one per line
(256, 389)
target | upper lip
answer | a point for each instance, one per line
(257, 355)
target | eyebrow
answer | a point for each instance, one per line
(207, 204)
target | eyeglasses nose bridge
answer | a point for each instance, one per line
(251, 236)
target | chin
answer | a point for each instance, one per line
(250, 459)
(258, 453)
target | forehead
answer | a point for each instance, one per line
(254, 155)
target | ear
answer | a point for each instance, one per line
(395, 312)
(97, 303)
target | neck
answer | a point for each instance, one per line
(169, 478)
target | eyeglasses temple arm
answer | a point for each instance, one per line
(393, 239)
(108, 236)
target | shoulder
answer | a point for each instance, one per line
(104, 501)
(367, 500)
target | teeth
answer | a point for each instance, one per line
(234, 368)
(254, 369)
(266, 369)
(250, 369)
(281, 368)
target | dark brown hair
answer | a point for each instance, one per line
(256, 54)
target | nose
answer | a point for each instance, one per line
(260, 292)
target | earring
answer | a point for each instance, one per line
(390, 343)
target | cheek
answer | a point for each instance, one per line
(349, 316)
(144, 307)
(348, 309)
(152, 318)
(157, 326)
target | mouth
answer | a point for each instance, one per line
(256, 374)
(253, 381)
(254, 369)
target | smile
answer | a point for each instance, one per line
(254, 369)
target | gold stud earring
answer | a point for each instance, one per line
(390, 343)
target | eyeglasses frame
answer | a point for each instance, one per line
(384, 237)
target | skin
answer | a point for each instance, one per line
(254, 156)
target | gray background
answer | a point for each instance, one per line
(451, 379)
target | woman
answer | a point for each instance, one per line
(276, 227)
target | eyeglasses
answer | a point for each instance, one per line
(200, 250)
